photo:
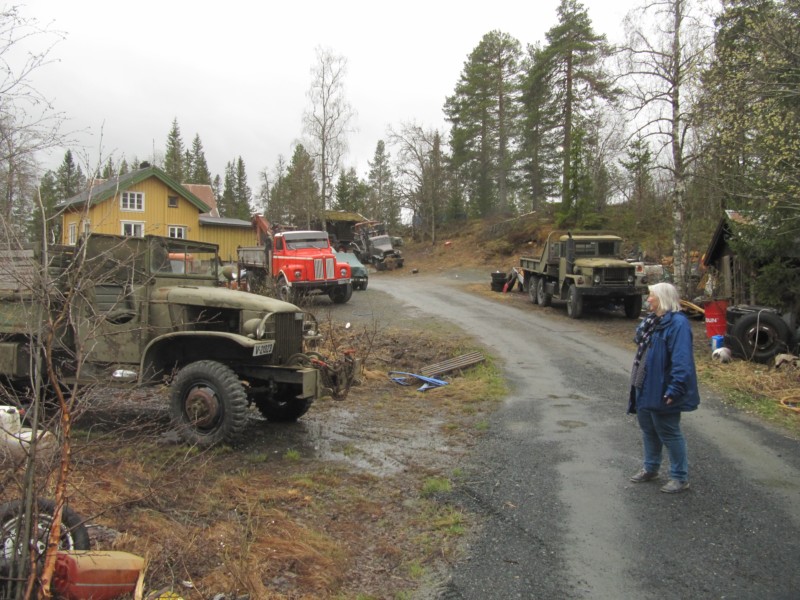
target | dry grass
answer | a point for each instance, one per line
(262, 522)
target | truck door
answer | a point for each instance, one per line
(109, 327)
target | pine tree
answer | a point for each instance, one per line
(573, 62)
(484, 115)
(303, 200)
(380, 182)
(226, 203)
(199, 172)
(69, 178)
(242, 192)
(174, 155)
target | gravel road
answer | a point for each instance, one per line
(559, 518)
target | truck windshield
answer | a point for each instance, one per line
(306, 243)
(181, 258)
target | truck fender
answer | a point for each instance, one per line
(170, 350)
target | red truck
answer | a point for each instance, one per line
(298, 263)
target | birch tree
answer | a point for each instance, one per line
(662, 66)
(327, 121)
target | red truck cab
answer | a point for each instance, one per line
(303, 262)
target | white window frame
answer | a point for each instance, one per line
(87, 229)
(134, 225)
(72, 234)
(131, 201)
(176, 231)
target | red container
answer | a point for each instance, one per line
(96, 574)
(715, 317)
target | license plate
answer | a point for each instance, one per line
(262, 349)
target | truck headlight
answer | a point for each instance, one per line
(597, 278)
(298, 273)
(631, 279)
(343, 272)
(254, 328)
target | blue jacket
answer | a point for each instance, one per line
(669, 369)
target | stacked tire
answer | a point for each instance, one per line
(498, 281)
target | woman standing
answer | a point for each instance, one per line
(663, 385)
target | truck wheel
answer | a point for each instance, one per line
(574, 303)
(285, 292)
(633, 306)
(278, 411)
(533, 285)
(341, 293)
(73, 535)
(759, 336)
(208, 403)
(543, 298)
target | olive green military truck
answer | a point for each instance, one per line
(584, 269)
(150, 311)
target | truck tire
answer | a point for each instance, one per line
(73, 536)
(759, 336)
(633, 306)
(574, 303)
(533, 284)
(279, 411)
(542, 297)
(285, 292)
(341, 293)
(208, 403)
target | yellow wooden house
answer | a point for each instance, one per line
(149, 202)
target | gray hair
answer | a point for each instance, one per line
(668, 298)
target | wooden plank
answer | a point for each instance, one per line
(452, 364)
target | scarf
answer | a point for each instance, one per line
(642, 337)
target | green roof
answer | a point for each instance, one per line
(343, 215)
(109, 188)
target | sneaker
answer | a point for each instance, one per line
(643, 476)
(674, 486)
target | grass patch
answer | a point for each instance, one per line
(755, 389)
(292, 455)
(435, 485)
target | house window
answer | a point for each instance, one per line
(86, 228)
(73, 234)
(133, 228)
(132, 201)
(177, 231)
(172, 201)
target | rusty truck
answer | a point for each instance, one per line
(127, 311)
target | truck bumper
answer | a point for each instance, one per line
(322, 286)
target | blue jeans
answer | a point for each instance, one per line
(661, 429)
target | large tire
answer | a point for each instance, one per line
(208, 403)
(633, 306)
(542, 297)
(533, 285)
(281, 411)
(759, 336)
(574, 303)
(74, 535)
(341, 293)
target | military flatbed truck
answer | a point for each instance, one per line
(584, 269)
(128, 312)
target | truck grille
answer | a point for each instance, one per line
(288, 337)
(616, 276)
(324, 268)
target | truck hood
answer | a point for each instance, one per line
(603, 263)
(220, 297)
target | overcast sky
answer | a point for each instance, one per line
(237, 72)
